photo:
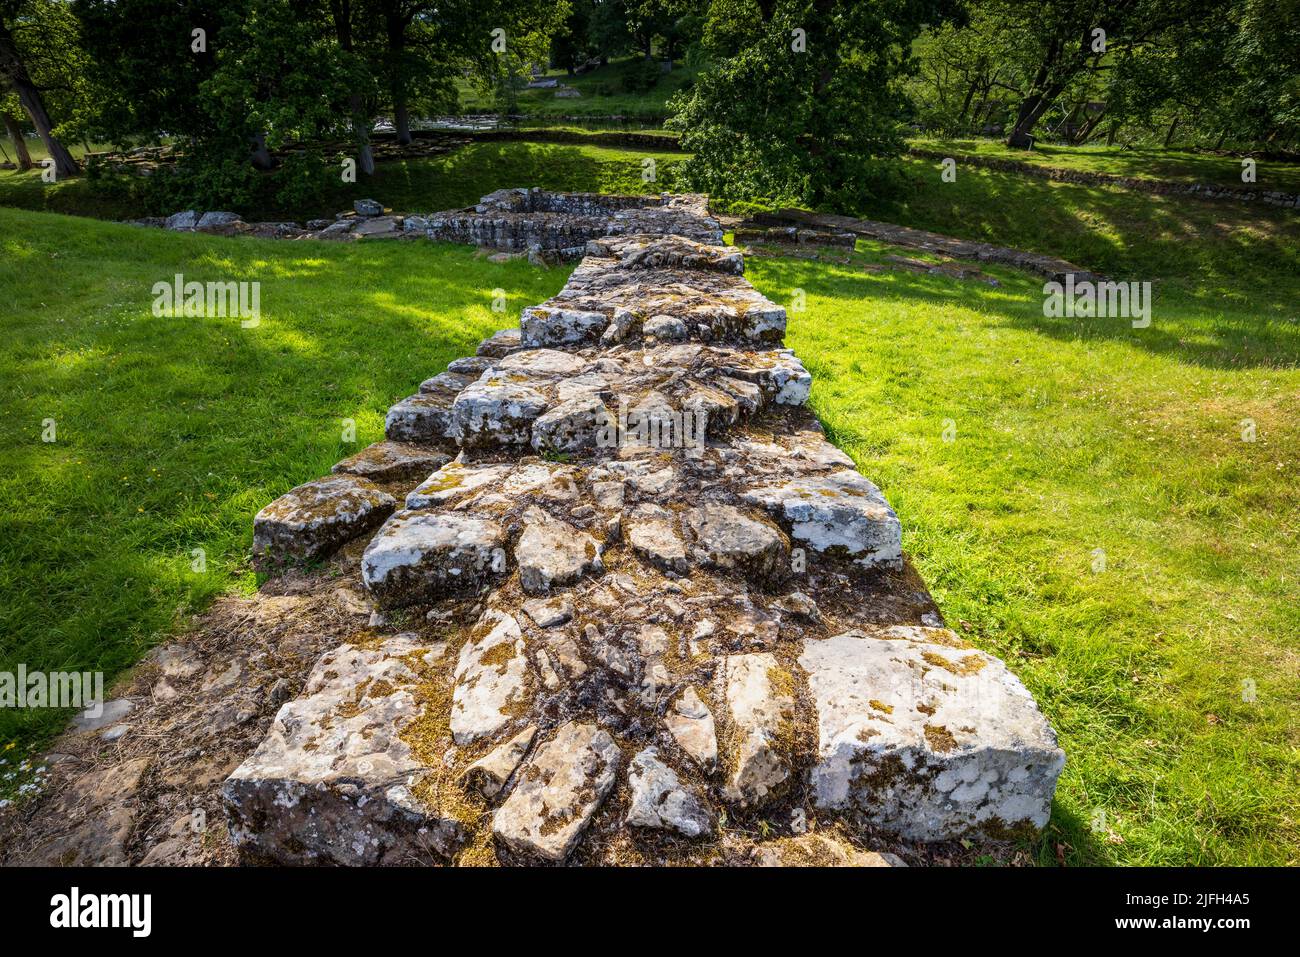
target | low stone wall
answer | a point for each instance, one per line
(520, 220)
(624, 586)
(546, 225)
(1241, 194)
(1049, 267)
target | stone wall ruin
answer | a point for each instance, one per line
(594, 642)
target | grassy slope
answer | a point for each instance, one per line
(544, 103)
(1213, 252)
(425, 185)
(1144, 163)
(172, 432)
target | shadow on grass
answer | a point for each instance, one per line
(1213, 250)
(1184, 328)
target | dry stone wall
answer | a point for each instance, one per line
(628, 590)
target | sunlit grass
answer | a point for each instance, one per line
(1182, 166)
(1072, 437)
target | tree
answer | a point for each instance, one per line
(1228, 73)
(607, 31)
(1063, 43)
(15, 131)
(966, 72)
(800, 98)
(572, 45)
(23, 30)
(148, 60)
(423, 44)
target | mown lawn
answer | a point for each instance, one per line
(1168, 661)
(1218, 254)
(171, 432)
(1073, 436)
(1142, 162)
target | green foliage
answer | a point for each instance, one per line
(1229, 76)
(1205, 72)
(641, 77)
(48, 37)
(771, 120)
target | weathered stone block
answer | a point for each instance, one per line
(423, 417)
(557, 793)
(391, 461)
(491, 678)
(423, 555)
(496, 411)
(314, 519)
(921, 734)
(760, 700)
(332, 781)
(839, 513)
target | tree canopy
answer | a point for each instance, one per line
(791, 100)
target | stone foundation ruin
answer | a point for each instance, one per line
(627, 592)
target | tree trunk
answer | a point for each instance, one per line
(965, 106)
(1112, 132)
(262, 158)
(1173, 128)
(361, 127)
(401, 117)
(1090, 125)
(20, 145)
(11, 65)
(342, 11)
(1041, 93)
(1031, 111)
(395, 25)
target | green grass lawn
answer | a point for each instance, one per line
(172, 432)
(1141, 162)
(1216, 253)
(1071, 436)
(602, 94)
(423, 185)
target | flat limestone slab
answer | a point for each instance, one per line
(389, 461)
(558, 792)
(842, 512)
(761, 705)
(921, 734)
(491, 678)
(332, 781)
